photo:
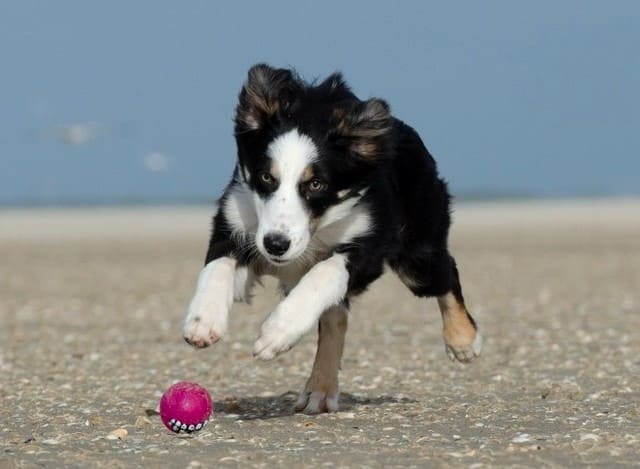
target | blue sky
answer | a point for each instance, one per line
(121, 101)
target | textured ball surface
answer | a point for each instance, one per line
(185, 407)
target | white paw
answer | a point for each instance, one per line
(317, 402)
(465, 354)
(276, 337)
(206, 321)
(203, 329)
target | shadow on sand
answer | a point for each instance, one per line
(252, 408)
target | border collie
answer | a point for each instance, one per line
(327, 190)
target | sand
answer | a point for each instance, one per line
(91, 302)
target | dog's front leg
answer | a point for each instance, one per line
(206, 320)
(325, 285)
(320, 394)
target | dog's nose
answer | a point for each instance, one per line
(276, 243)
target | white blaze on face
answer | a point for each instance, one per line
(283, 211)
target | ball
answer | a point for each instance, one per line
(185, 407)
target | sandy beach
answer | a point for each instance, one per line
(91, 301)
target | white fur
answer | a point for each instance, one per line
(284, 211)
(246, 173)
(206, 320)
(239, 211)
(337, 212)
(323, 286)
(343, 222)
(243, 283)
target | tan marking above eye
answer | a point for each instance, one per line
(307, 175)
(273, 169)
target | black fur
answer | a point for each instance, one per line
(361, 146)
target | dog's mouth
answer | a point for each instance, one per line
(278, 261)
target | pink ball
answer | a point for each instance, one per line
(185, 407)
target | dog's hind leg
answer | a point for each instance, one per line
(462, 339)
(429, 274)
(320, 394)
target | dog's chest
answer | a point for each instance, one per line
(290, 274)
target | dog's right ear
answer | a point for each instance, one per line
(266, 92)
(364, 129)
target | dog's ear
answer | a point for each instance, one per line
(334, 84)
(364, 128)
(266, 92)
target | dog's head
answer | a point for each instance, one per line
(306, 152)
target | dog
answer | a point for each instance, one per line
(327, 190)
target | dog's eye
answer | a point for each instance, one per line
(266, 178)
(316, 185)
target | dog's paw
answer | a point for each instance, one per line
(202, 330)
(465, 353)
(321, 392)
(317, 402)
(276, 337)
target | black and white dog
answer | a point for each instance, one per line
(327, 190)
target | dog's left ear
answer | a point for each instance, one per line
(266, 92)
(364, 128)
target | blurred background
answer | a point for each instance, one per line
(132, 102)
